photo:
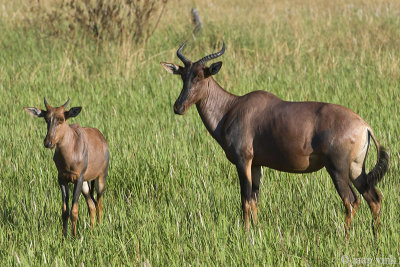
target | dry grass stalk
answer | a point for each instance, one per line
(120, 20)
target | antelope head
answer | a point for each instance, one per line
(56, 119)
(194, 77)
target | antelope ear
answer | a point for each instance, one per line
(171, 68)
(35, 112)
(73, 112)
(215, 67)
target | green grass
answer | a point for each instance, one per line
(172, 197)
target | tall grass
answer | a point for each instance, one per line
(172, 197)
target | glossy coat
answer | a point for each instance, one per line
(259, 129)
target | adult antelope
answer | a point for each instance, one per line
(259, 129)
(81, 155)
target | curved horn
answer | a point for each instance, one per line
(66, 103)
(182, 57)
(46, 104)
(212, 56)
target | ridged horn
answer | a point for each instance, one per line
(212, 56)
(182, 57)
(66, 103)
(46, 104)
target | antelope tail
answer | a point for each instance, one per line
(382, 165)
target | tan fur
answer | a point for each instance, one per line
(81, 155)
(359, 154)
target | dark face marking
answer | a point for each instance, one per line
(54, 117)
(191, 76)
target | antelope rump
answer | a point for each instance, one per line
(259, 129)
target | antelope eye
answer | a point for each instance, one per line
(60, 120)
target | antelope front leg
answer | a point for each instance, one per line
(74, 210)
(244, 172)
(65, 209)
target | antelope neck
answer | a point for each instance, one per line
(67, 142)
(214, 106)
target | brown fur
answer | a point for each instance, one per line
(81, 155)
(259, 129)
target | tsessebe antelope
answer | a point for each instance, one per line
(81, 155)
(259, 129)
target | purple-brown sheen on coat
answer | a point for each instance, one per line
(259, 129)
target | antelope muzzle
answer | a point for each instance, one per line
(179, 109)
(48, 143)
(51, 131)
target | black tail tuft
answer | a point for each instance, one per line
(381, 167)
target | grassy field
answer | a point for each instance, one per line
(172, 197)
